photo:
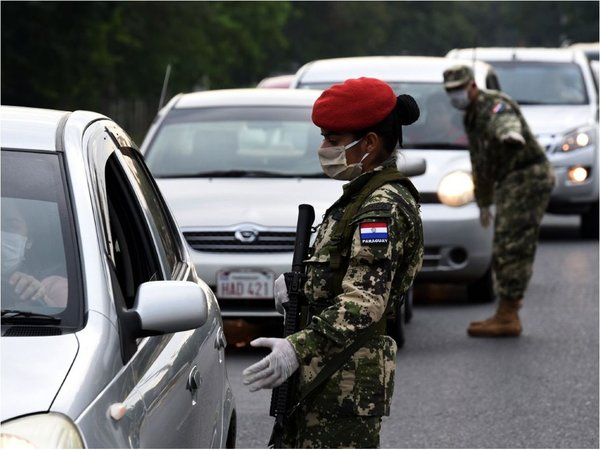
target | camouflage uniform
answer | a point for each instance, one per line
(518, 179)
(346, 411)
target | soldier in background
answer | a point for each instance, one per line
(350, 288)
(510, 170)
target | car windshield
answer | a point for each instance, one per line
(542, 83)
(261, 141)
(39, 263)
(439, 126)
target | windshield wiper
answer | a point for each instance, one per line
(228, 174)
(27, 317)
(434, 146)
(310, 175)
(531, 102)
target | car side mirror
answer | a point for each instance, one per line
(411, 166)
(169, 306)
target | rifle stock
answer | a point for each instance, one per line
(282, 398)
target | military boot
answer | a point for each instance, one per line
(504, 323)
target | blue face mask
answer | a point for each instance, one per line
(13, 251)
(459, 98)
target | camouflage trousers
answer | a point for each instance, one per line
(314, 430)
(521, 200)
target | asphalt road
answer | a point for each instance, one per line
(453, 391)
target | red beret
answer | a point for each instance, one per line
(354, 105)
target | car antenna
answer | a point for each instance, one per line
(164, 87)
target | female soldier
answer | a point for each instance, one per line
(366, 254)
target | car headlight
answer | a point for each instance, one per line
(456, 189)
(50, 430)
(577, 139)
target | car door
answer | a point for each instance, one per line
(181, 375)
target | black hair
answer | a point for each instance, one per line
(389, 129)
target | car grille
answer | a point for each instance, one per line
(431, 257)
(226, 242)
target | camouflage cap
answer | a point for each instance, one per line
(457, 76)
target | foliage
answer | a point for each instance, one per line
(92, 55)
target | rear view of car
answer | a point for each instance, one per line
(457, 248)
(557, 92)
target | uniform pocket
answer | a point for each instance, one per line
(319, 281)
(374, 377)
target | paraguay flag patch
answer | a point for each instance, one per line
(373, 233)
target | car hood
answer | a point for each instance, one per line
(273, 202)
(33, 370)
(550, 119)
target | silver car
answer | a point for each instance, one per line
(557, 92)
(109, 337)
(235, 164)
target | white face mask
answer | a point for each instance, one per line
(459, 98)
(334, 164)
(13, 251)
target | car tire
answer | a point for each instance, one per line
(589, 223)
(395, 325)
(482, 290)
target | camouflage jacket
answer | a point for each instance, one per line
(364, 385)
(492, 116)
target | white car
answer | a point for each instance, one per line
(235, 164)
(109, 338)
(457, 248)
(557, 92)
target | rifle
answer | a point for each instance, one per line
(283, 396)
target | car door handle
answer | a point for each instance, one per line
(220, 341)
(194, 380)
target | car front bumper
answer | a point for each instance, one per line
(457, 250)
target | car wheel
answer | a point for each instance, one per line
(482, 290)
(589, 223)
(408, 307)
(395, 325)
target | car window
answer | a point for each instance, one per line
(263, 141)
(542, 83)
(160, 219)
(439, 125)
(134, 255)
(39, 251)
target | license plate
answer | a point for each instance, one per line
(245, 284)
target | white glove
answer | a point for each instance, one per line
(273, 369)
(280, 294)
(485, 217)
(513, 138)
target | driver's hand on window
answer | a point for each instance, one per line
(51, 291)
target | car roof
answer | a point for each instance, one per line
(247, 97)
(16, 130)
(427, 69)
(544, 54)
(276, 82)
(29, 128)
